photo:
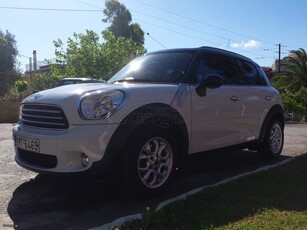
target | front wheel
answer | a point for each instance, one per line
(272, 145)
(149, 162)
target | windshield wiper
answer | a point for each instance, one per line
(131, 80)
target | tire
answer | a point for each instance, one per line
(272, 145)
(149, 163)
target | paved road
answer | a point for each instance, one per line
(32, 201)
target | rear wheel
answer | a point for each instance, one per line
(272, 145)
(150, 161)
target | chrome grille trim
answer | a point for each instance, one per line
(38, 116)
(41, 110)
(43, 116)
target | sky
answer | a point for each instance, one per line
(253, 28)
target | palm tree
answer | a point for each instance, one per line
(295, 66)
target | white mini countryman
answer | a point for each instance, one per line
(141, 125)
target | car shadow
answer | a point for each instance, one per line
(73, 202)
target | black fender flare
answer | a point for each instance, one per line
(276, 112)
(150, 115)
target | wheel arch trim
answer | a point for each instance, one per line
(275, 112)
(155, 114)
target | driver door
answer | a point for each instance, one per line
(216, 116)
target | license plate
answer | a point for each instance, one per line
(27, 144)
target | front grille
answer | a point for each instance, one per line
(43, 116)
(37, 159)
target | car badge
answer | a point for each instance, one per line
(37, 95)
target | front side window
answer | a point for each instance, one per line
(156, 68)
(216, 64)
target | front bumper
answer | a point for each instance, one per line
(61, 151)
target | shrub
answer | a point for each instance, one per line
(21, 86)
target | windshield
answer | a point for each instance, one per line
(157, 67)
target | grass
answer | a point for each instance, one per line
(273, 199)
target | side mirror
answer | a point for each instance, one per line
(211, 81)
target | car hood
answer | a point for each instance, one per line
(62, 93)
(68, 97)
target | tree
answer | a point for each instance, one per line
(117, 52)
(8, 53)
(292, 83)
(120, 19)
(81, 57)
(86, 57)
(295, 66)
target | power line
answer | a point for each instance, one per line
(173, 23)
(221, 37)
(88, 4)
(201, 22)
(190, 28)
(152, 6)
(168, 29)
(23, 56)
(81, 10)
(188, 35)
(47, 9)
(198, 21)
(194, 37)
(161, 27)
(297, 46)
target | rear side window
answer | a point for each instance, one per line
(263, 76)
(247, 73)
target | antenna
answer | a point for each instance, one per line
(156, 41)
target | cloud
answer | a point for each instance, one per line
(248, 44)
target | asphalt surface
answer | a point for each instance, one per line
(32, 201)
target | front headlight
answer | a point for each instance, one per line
(100, 105)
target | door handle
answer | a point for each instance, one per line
(268, 98)
(234, 98)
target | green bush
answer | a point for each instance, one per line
(41, 82)
(295, 104)
(291, 105)
(21, 86)
(301, 97)
(293, 94)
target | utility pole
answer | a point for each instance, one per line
(279, 51)
(34, 60)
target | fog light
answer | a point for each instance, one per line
(84, 159)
